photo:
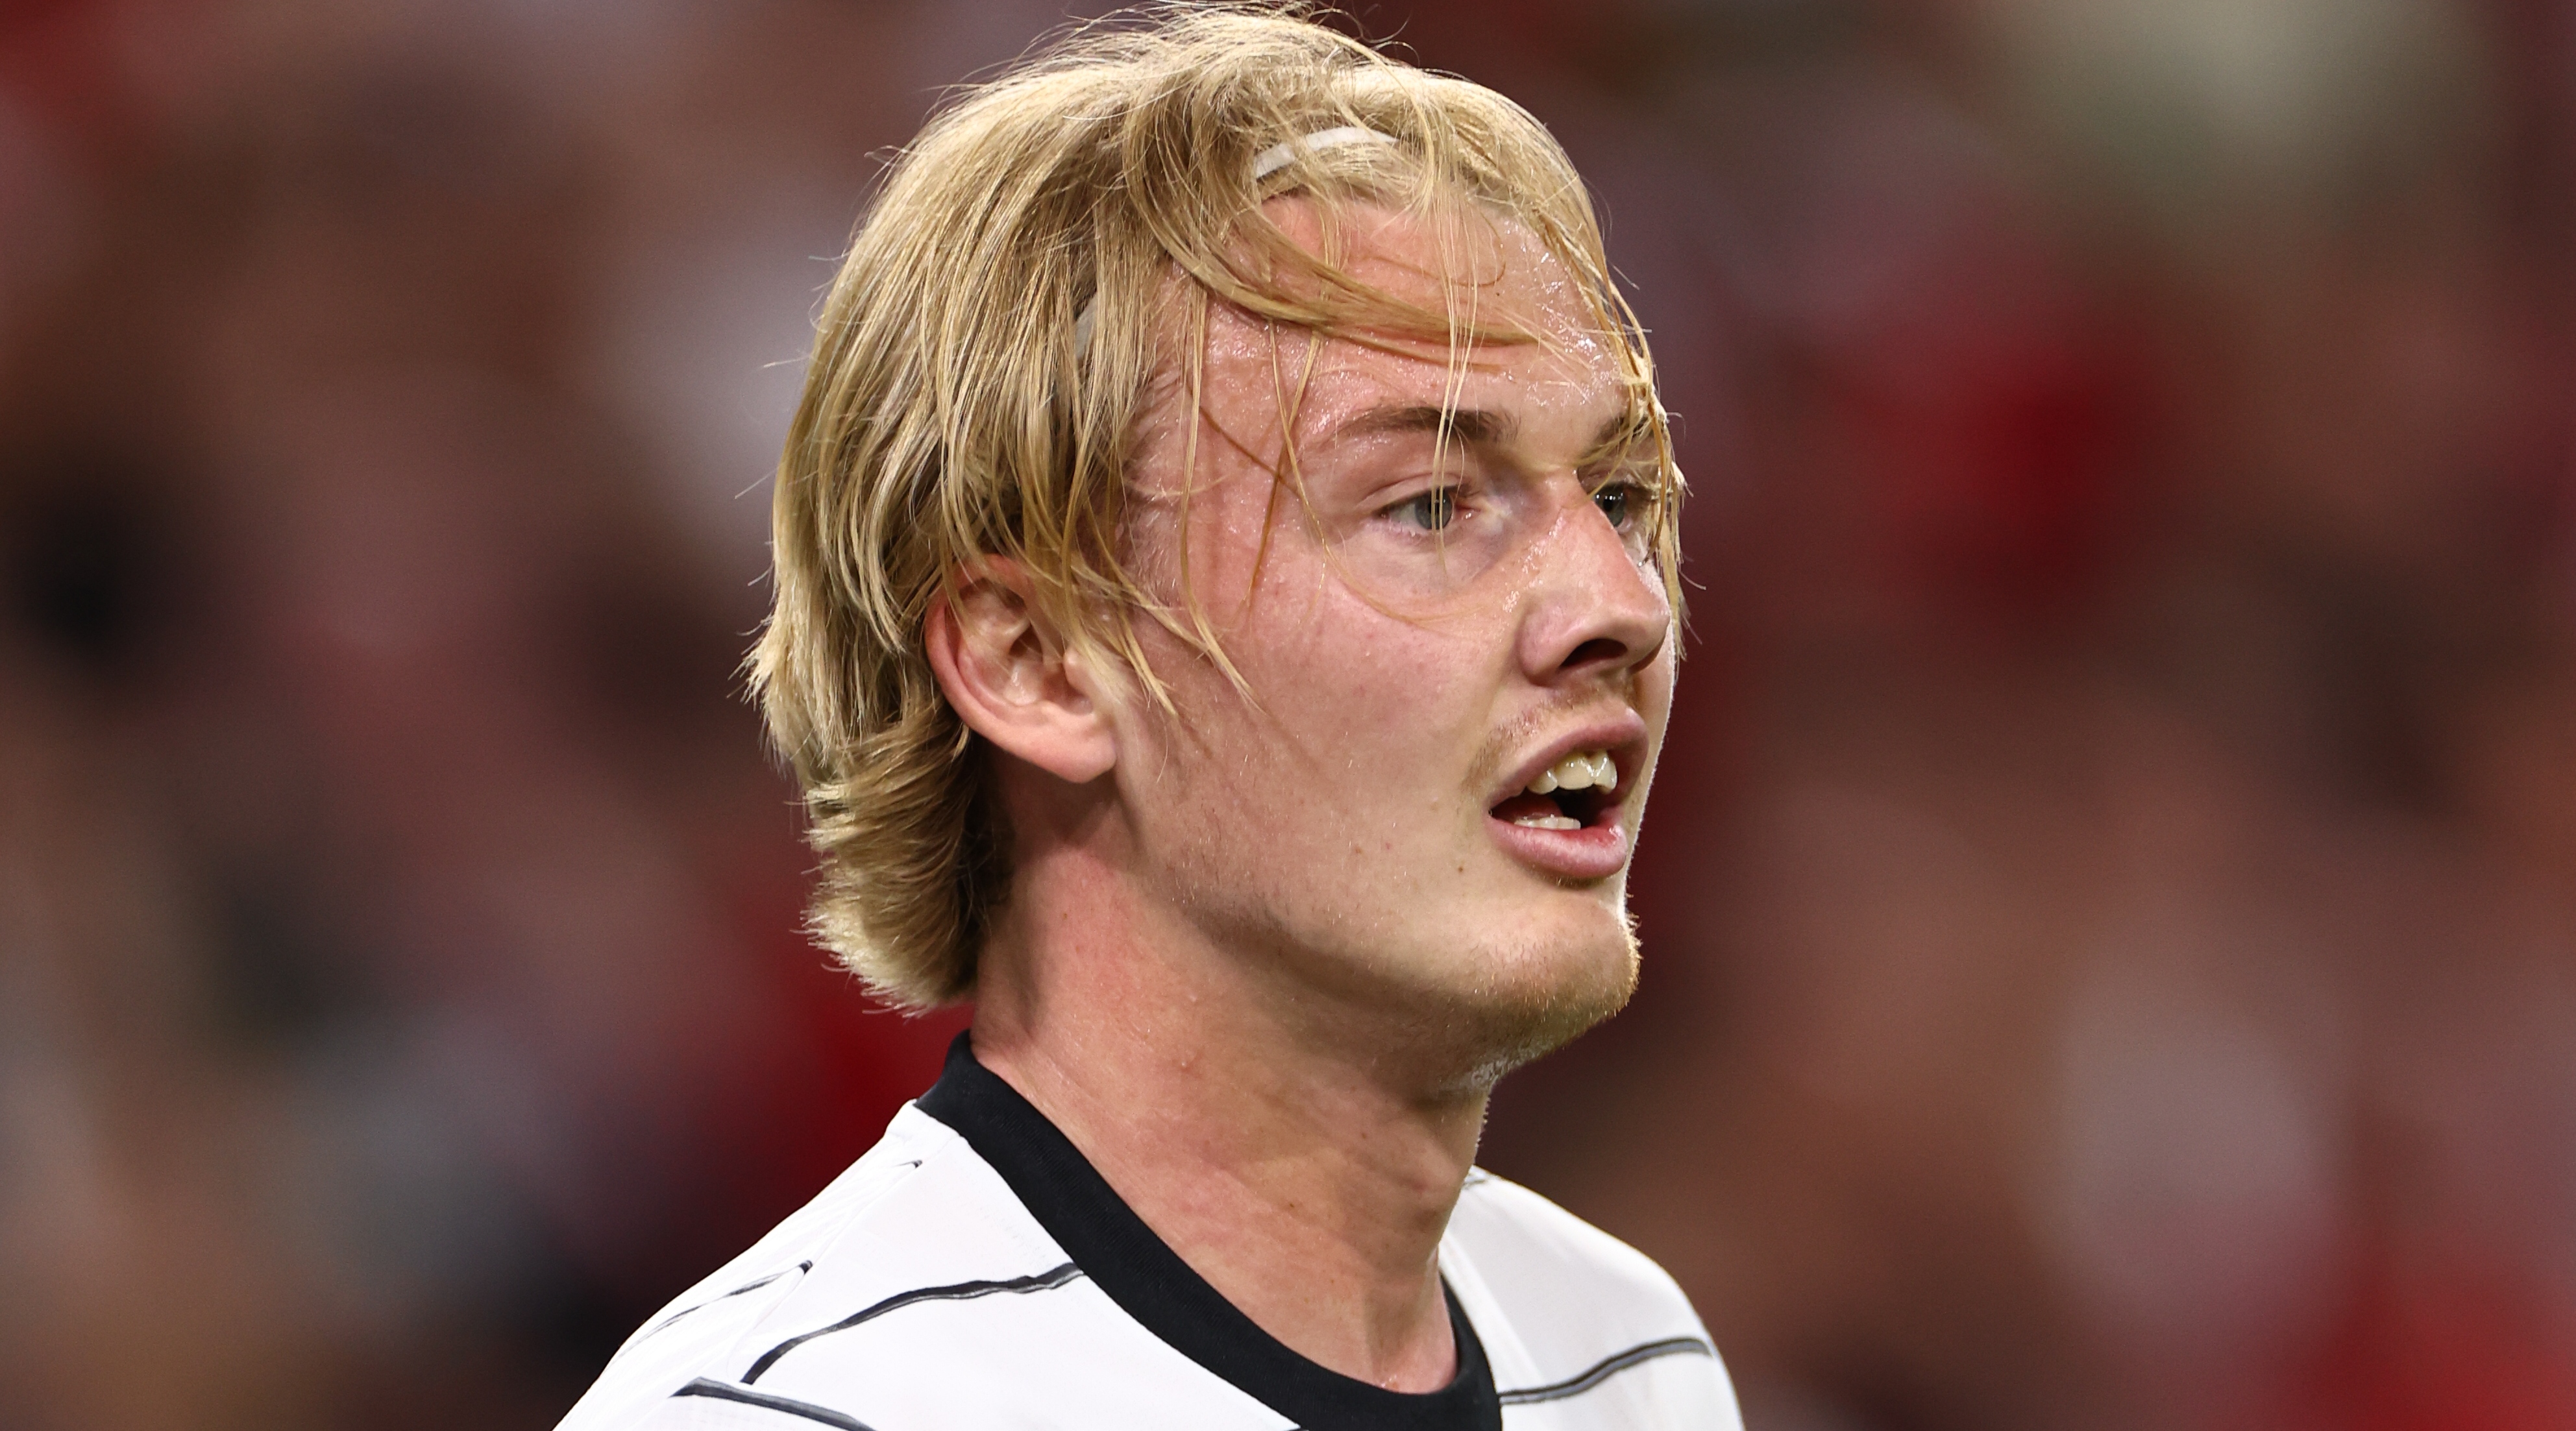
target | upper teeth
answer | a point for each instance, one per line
(1580, 771)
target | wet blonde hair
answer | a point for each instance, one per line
(983, 359)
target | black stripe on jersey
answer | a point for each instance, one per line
(736, 1292)
(1607, 1368)
(762, 1399)
(1046, 1281)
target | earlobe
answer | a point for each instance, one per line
(1008, 673)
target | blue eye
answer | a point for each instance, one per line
(1432, 511)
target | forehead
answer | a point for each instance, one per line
(1524, 351)
(1489, 272)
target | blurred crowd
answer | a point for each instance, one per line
(2110, 901)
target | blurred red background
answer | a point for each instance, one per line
(2108, 903)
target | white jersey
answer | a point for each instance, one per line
(974, 1271)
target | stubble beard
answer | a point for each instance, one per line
(1450, 1027)
(1515, 1022)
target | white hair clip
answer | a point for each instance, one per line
(1264, 164)
(1278, 156)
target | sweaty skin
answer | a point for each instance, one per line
(1262, 963)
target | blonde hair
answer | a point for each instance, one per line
(982, 361)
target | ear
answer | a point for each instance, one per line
(1008, 674)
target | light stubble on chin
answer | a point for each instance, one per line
(1450, 1028)
(1498, 1028)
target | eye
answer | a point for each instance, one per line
(1430, 511)
(1621, 502)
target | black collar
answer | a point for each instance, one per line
(1151, 1283)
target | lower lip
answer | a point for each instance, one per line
(1593, 852)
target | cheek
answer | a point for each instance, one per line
(1354, 728)
(1346, 698)
(1374, 688)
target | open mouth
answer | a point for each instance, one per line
(1576, 792)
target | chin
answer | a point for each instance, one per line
(1453, 1004)
(1532, 993)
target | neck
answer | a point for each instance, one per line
(1308, 1182)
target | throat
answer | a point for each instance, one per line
(1321, 1228)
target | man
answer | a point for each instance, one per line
(1224, 627)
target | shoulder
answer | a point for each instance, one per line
(1531, 1251)
(920, 1216)
(1575, 1319)
(916, 1290)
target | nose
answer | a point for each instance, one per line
(1592, 609)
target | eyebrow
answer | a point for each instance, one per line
(1478, 427)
